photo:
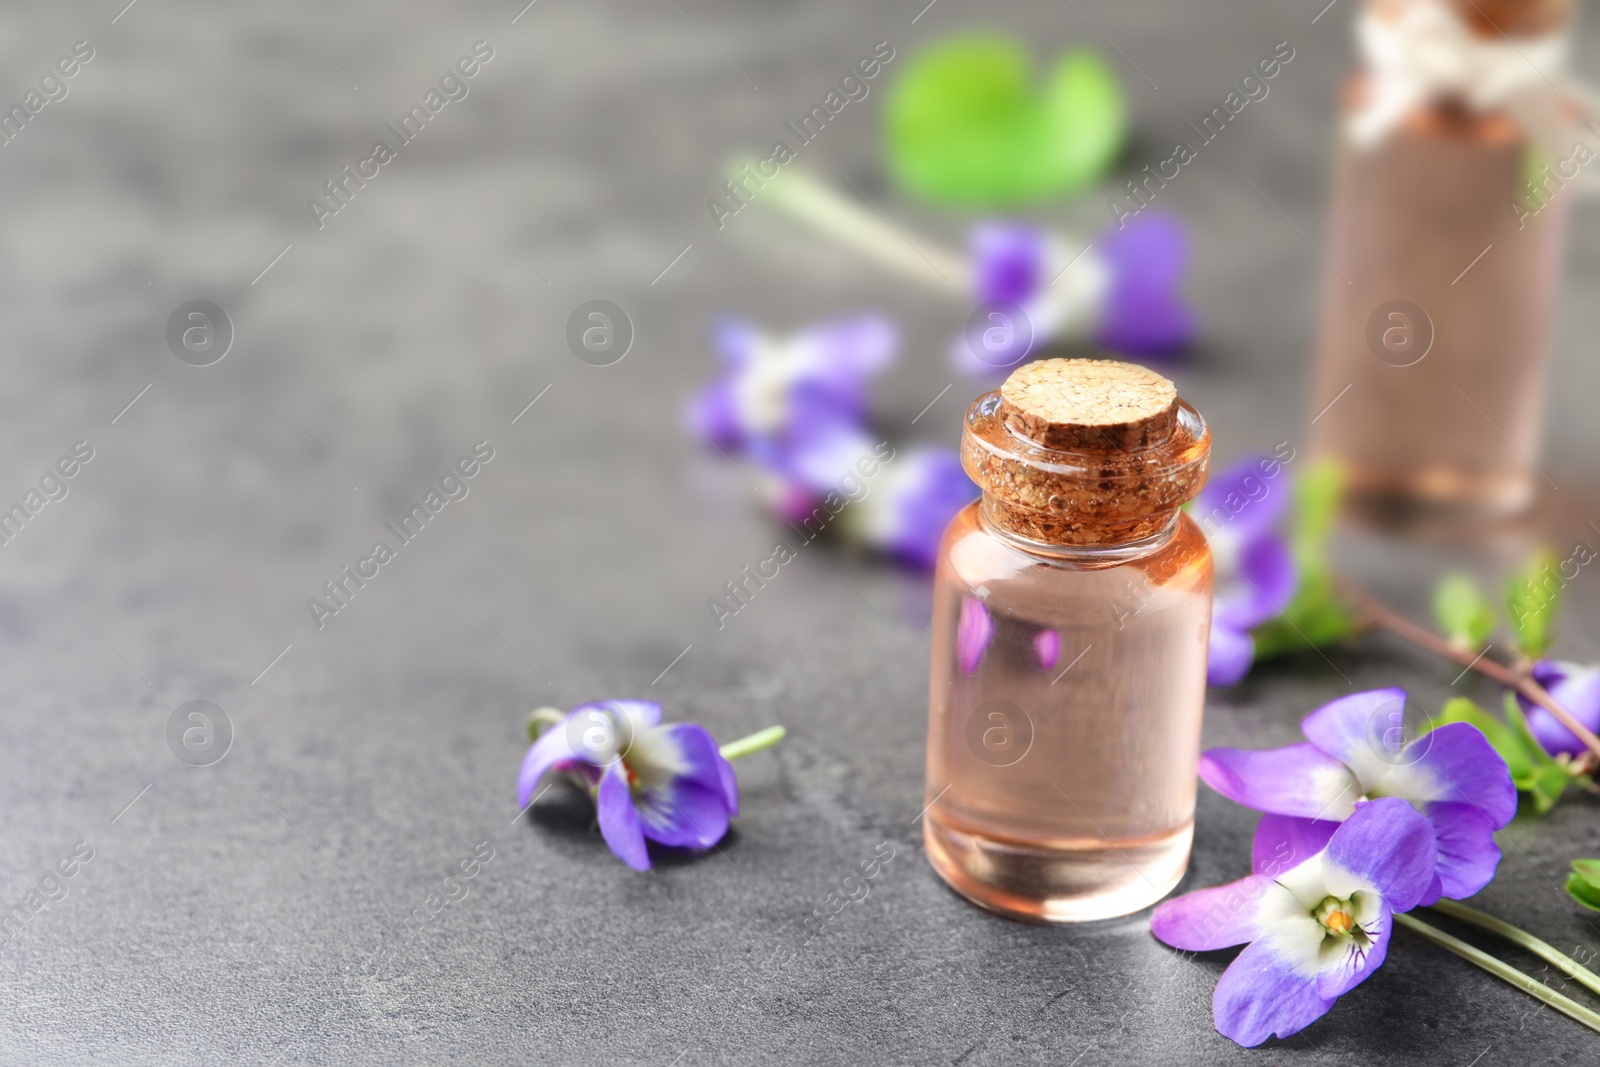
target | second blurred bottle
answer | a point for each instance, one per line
(1455, 158)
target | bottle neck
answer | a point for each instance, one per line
(1098, 545)
(1469, 56)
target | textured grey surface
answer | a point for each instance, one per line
(233, 912)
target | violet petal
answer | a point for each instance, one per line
(619, 821)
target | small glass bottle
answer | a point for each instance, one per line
(1072, 607)
(1444, 250)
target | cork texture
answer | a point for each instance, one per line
(1089, 404)
(1084, 452)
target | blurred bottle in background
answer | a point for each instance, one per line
(1457, 148)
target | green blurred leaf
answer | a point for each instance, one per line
(1317, 615)
(1519, 723)
(1544, 778)
(964, 126)
(1547, 786)
(1533, 596)
(1317, 491)
(1588, 870)
(1462, 611)
(1584, 893)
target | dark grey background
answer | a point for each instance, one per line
(229, 913)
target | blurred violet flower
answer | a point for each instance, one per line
(772, 387)
(796, 410)
(807, 461)
(1576, 688)
(1143, 310)
(1451, 774)
(974, 631)
(1312, 933)
(1123, 291)
(1256, 578)
(907, 507)
(669, 784)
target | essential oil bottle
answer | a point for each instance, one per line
(1072, 606)
(1455, 160)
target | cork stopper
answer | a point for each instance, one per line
(1090, 404)
(1084, 452)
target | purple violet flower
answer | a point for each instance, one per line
(1009, 261)
(1143, 310)
(1576, 688)
(1313, 932)
(811, 456)
(974, 631)
(1452, 775)
(669, 784)
(768, 386)
(907, 507)
(1123, 291)
(1256, 576)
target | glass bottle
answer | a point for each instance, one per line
(1072, 606)
(1444, 251)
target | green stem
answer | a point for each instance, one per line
(1523, 682)
(1570, 968)
(808, 200)
(1538, 990)
(754, 743)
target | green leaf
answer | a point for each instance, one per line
(1547, 786)
(1083, 120)
(1462, 611)
(1317, 615)
(1533, 596)
(1317, 491)
(1583, 884)
(1519, 723)
(1588, 870)
(1545, 779)
(1314, 618)
(965, 127)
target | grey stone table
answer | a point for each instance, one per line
(233, 912)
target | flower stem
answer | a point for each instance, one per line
(1504, 971)
(541, 719)
(754, 743)
(1570, 967)
(808, 200)
(1381, 614)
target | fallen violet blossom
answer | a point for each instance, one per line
(1123, 292)
(1256, 578)
(904, 515)
(1452, 775)
(670, 783)
(1576, 688)
(795, 411)
(771, 386)
(1312, 932)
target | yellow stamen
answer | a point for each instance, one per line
(1340, 922)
